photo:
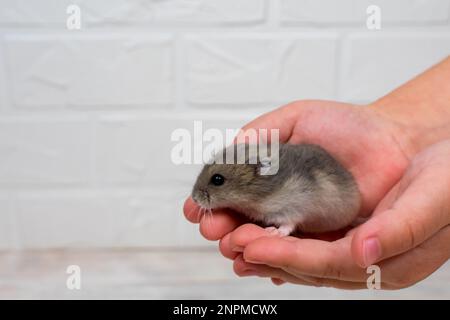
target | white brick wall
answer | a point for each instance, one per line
(39, 152)
(353, 12)
(120, 218)
(228, 69)
(384, 62)
(86, 116)
(116, 13)
(62, 69)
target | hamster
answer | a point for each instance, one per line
(311, 192)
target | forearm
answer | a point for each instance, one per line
(421, 108)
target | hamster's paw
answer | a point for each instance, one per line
(273, 231)
(285, 230)
(282, 231)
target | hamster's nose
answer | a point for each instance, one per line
(205, 193)
(198, 196)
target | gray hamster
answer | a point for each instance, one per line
(311, 192)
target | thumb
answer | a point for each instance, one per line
(414, 215)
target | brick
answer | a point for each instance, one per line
(98, 219)
(43, 152)
(137, 150)
(89, 70)
(375, 64)
(260, 68)
(132, 12)
(354, 11)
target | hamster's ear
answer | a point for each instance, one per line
(268, 166)
(264, 166)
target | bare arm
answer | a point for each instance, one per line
(420, 107)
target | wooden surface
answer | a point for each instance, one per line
(167, 274)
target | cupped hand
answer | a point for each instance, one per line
(408, 237)
(374, 149)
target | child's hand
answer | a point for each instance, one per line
(408, 237)
(376, 144)
(356, 136)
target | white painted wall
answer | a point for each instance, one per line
(86, 116)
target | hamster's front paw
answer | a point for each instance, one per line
(282, 231)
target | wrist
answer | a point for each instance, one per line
(414, 130)
(420, 109)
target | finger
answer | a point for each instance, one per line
(214, 226)
(306, 256)
(277, 282)
(191, 211)
(328, 236)
(245, 269)
(415, 265)
(415, 216)
(244, 234)
(225, 248)
(283, 119)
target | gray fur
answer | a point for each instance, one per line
(311, 192)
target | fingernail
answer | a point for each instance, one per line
(277, 282)
(238, 249)
(371, 251)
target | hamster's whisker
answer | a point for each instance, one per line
(192, 210)
(199, 213)
(205, 212)
(209, 217)
(202, 212)
(209, 213)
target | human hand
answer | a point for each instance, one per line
(368, 145)
(375, 143)
(408, 236)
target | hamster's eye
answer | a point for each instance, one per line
(217, 179)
